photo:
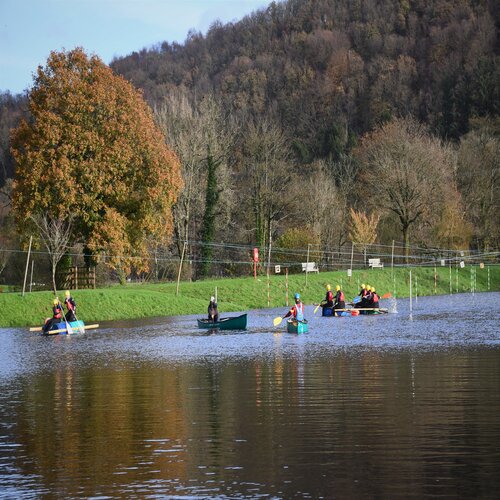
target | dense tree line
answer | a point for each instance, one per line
(330, 70)
(326, 73)
(309, 117)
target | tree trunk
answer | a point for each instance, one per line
(54, 278)
(406, 239)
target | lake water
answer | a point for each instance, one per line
(366, 407)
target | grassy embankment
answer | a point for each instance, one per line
(238, 294)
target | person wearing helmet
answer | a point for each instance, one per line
(213, 311)
(362, 292)
(360, 299)
(328, 302)
(374, 299)
(70, 304)
(367, 301)
(339, 300)
(297, 311)
(57, 312)
(365, 296)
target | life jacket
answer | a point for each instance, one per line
(375, 298)
(340, 294)
(363, 292)
(57, 312)
(329, 296)
(298, 311)
(70, 304)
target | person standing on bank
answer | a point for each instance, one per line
(213, 311)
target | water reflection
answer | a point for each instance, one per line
(379, 407)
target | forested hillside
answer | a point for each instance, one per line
(329, 69)
(325, 122)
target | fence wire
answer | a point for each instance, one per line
(229, 259)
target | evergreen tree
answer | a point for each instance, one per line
(208, 226)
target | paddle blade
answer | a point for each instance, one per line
(386, 295)
(316, 309)
(277, 321)
(69, 329)
(357, 299)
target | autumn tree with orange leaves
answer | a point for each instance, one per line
(92, 154)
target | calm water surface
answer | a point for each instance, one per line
(368, 407)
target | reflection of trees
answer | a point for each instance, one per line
(328, 419)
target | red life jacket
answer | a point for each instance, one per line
(329, 296)
(341, 296)
(56, 310)
(375, 297)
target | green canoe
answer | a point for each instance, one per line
(234, 323)
(294, 326)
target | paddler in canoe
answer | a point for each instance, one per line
(339, 300)
(213, 311)
(374, 299)
(327, 303)
(57, 313)
(358, 302)
(297, 311)
(70, 304)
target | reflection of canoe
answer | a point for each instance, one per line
(76, 327)
(233, 323)
(294, 326)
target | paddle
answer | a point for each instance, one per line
(316, 308)
(277, 321)
(68, 326)
(80, 327)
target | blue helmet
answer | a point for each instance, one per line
(297, 296)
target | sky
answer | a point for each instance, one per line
(31, 29)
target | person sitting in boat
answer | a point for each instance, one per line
(328, 302)
(70, 304)
(213, 312)
(297, 311)
(339, 301)
(57, 312)
(374, 302)
(367, 300)
(362, 295)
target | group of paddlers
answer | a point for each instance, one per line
(336, 301)
(368, 298)
(58, 312)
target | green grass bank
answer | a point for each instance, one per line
(241, 294)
